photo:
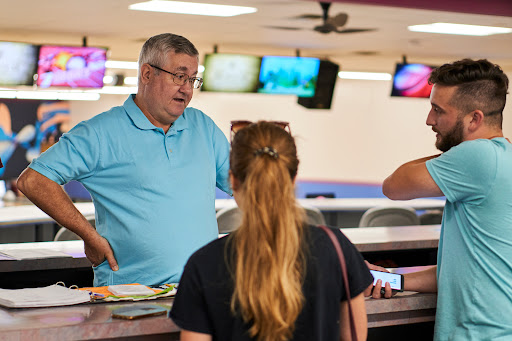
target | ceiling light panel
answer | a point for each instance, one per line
(181, 7)
(460, 29)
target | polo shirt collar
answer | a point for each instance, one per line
(141, 121)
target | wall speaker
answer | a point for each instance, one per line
(327, 75)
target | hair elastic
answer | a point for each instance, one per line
(267, 150)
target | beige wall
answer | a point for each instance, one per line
(363, 137)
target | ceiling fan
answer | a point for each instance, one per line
(329, 24)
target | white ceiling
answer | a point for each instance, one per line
(111, 24)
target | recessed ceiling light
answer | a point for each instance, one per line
(191, 8)
(468, 30)
(373, 76)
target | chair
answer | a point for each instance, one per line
(389, 216)
(230, 218)
(314, 216)
(431, 217)
(65, 234)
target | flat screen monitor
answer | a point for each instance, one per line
(411, 80)
(27, 128)
(231, 72)
(18, 63)
(71, 66)
(289, 75)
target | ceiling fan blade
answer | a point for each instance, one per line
(356, 30)
(285, 28)
(325, 28)
(339, 20)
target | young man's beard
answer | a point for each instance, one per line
(452, 138)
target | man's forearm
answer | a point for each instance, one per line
(53, 200)
(411, 180)
(421, 281)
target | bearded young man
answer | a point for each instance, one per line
(473, 275)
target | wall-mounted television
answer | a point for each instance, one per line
(71, 66)
(28, 128)
(289, 75)
(411, 80)
(18, 63)
(231, 72)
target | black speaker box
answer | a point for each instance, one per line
(327, 75)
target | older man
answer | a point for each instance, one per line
(151, 167)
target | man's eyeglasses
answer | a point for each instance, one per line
(237, 125)
(180, 78)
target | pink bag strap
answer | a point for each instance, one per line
(343, 265)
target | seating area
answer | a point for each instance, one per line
(230, 218)
(389, 216)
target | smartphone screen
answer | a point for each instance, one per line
(395, 280)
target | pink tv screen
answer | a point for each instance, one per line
(71, 66)
(411, 80)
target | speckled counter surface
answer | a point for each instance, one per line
(82, 322)
(404, 308)
(95, 322)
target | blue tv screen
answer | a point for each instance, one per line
(289, 75)
(18, 63)
(225, 72)
(411, 80)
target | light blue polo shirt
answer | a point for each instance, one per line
(474, 261)
(154, 193)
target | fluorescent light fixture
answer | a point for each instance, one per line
(82, 96)
(117, 64)
(372, 76)
(182, 7)
(7, 94)
(51, 95)
(116, 90)
(467, 30)
(131, 80)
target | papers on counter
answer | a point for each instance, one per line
(20, 254)
(53, 295)
(130, 290)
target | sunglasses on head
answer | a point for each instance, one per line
(237, 125)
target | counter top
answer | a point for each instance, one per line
(353, 204)
(368, 239)
(94, 321)
(82, 322)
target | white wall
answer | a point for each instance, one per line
(363, 137)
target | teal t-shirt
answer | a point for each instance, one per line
(474, 273)
(154, 193)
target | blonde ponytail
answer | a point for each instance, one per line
(267, 260)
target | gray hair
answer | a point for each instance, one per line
(155, 49)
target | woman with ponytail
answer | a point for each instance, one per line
(275, 278)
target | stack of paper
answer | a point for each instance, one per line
(53, 295)
(21, 254)
(130, 290)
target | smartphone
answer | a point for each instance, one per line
(395, 280)
(131, 313)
